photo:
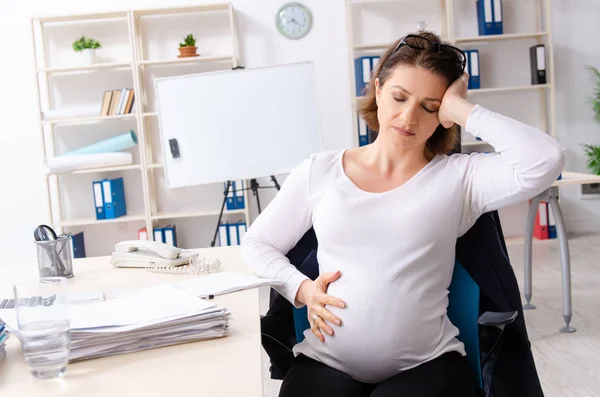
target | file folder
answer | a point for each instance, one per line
(233, 234)
(485, 17)
(170, 235)
(241, 231)
(77, 245)
(363, 132)
(142, 234)
(114, 198)
(551, 223)
(497, 12)
(537, 57)
(540, 228)
(230, 196)
(362, 70)
(159, 235)
(99, 200)
(473, 69)
(240, 203)
(223, 235)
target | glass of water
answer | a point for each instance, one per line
(44, 327)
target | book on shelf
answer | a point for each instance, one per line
(117, 102)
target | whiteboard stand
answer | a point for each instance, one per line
(254, 186)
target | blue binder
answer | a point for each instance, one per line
(241, 231)
(497, 12)
(551, 223)
(223, 235)
(159, 234)
(363, 132)
(230, 195)
(473, 69)
(240, 202)
(99, 200)
(485, 17)
(363, 69)
(170, 235)
(232, 230)
(78, 245)
(114, 198)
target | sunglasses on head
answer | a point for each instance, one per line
(422, 43)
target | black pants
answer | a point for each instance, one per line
(447, 376)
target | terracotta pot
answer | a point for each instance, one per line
(187, 52)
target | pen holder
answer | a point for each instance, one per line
(54, 257)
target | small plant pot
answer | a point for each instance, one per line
(87, 56)
(187, 51)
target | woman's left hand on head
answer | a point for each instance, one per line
(456, 90)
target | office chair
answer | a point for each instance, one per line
(479, 334)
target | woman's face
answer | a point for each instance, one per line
(407, 106)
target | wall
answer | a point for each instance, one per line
(260, 45)
(22, 204)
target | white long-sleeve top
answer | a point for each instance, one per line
(395, 249)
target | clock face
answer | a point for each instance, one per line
(293, 20)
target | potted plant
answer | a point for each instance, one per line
(86, 48)
(187, 48)
(592, 152)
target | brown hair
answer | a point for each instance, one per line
(443, 139)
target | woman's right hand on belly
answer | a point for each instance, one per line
(313, 295)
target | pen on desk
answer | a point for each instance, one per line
(207, 297)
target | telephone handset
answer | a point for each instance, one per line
(160, 257)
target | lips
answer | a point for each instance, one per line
(403, 131)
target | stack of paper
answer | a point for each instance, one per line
(3, 337)
(145, 319)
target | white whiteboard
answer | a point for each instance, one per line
(238, 124)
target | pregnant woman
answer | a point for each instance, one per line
(387, 216)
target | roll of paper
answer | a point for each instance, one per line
(114, 144)
(87, 161)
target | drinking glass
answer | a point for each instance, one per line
(42, 309)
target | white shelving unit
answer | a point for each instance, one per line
(140, 45)
(538, 30)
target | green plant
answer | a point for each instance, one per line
(189, 41)
(596, 98)
(84, 43)
(593, 157)
(592, 152)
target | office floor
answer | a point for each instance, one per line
(567, 363)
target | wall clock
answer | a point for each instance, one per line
(293, 20)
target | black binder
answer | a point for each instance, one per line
(537, 57)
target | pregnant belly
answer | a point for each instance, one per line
(383, 331)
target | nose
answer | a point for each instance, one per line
(409, 115)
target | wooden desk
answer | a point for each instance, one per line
(550, 195)
(229, 366)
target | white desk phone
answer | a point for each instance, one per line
(161, 257)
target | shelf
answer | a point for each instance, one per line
(83, 17)
(498, 37)
(108, 169)
(193, 214)
(199, 59)
(152, 166)
(94, 221)
(151, 114)
(86, 68)
(509, 89)
(181, 10)
(93, 119)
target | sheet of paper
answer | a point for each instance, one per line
(222, 283)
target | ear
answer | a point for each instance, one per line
(377, 90)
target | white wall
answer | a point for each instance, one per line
(22, 204)
(260, 44)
